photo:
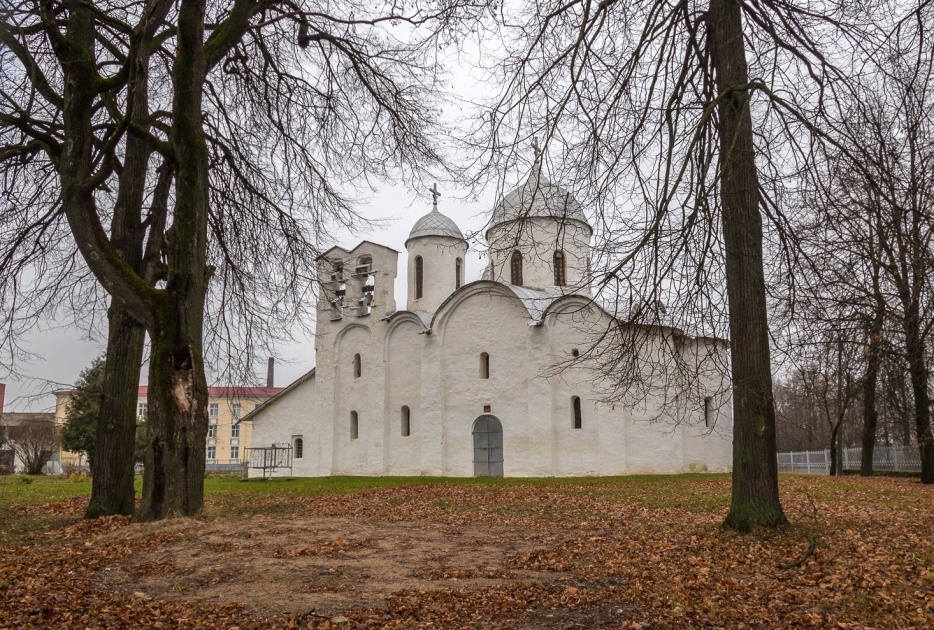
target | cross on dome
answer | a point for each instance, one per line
(435, 194)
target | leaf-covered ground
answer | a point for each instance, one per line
(629, 552)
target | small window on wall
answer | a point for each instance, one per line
(560, 269)
(708, 412)
(576, 409)
(419, 277)
(234, 452)
(354, 425)
(235, 410)
(235, 430)
(484, 365)
(212, 452)
(213, 409)
(141, 410)
(212, 430)
(298, 448)
(458, 273)
(357, 367)
(515, 268)
(406, 417)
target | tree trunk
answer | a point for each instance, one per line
(754, 500)
(173, 479)
(173, 482)
(870, 413)
(112, 490)
(834, 451)
(918, 371)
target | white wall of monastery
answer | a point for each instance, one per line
(430, 362)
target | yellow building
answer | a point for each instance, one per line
(228, 439)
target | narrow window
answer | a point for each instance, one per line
(354, 425)
(235, 430)
(708, 411)
(235, 410)
(484, 365)
(515, 266)
(576, 405)
(235, 452)
(560, 268)
(357, 367)
(212, 430)
(298, 448)
(458, 273)
(419, 277)
(212, 453)
(406, 415)
(141, 411)
(213, 409)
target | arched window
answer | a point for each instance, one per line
(298, 449)
(708, 412)
(458, 273)
(357, 366)
(576, 406)
(406, 415)
(354, 425)
(560, 269)
(484, 365)
(515, 267)
(419, 277)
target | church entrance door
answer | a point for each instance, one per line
(487, 447)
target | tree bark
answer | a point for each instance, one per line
(754, 500)
(173, 481)
(918, 371)
(112, 490)
(870, 413)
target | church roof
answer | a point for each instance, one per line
(538, 197)
(435, 224)
(535, 302)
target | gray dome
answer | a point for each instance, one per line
(435, 224)
(538, 197)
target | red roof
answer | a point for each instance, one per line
(214, 392)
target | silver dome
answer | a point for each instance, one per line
(435, 224)
(538, 197)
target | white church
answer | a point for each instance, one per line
(489, 378)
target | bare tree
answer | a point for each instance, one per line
(652, 105)
(34, 442)
(881, 199)
(261, 111)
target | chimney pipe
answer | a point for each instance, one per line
(270, 373)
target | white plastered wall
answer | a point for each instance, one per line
(537, 238)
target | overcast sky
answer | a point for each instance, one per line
(64, 351)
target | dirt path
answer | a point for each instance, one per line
(294, 565)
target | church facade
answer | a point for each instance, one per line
(488, 378)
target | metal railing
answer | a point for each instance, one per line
(904, 458)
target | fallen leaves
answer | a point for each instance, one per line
(619, 553)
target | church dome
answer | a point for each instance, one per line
(435, 224)
(538, 197)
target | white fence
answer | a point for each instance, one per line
(883, 458)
